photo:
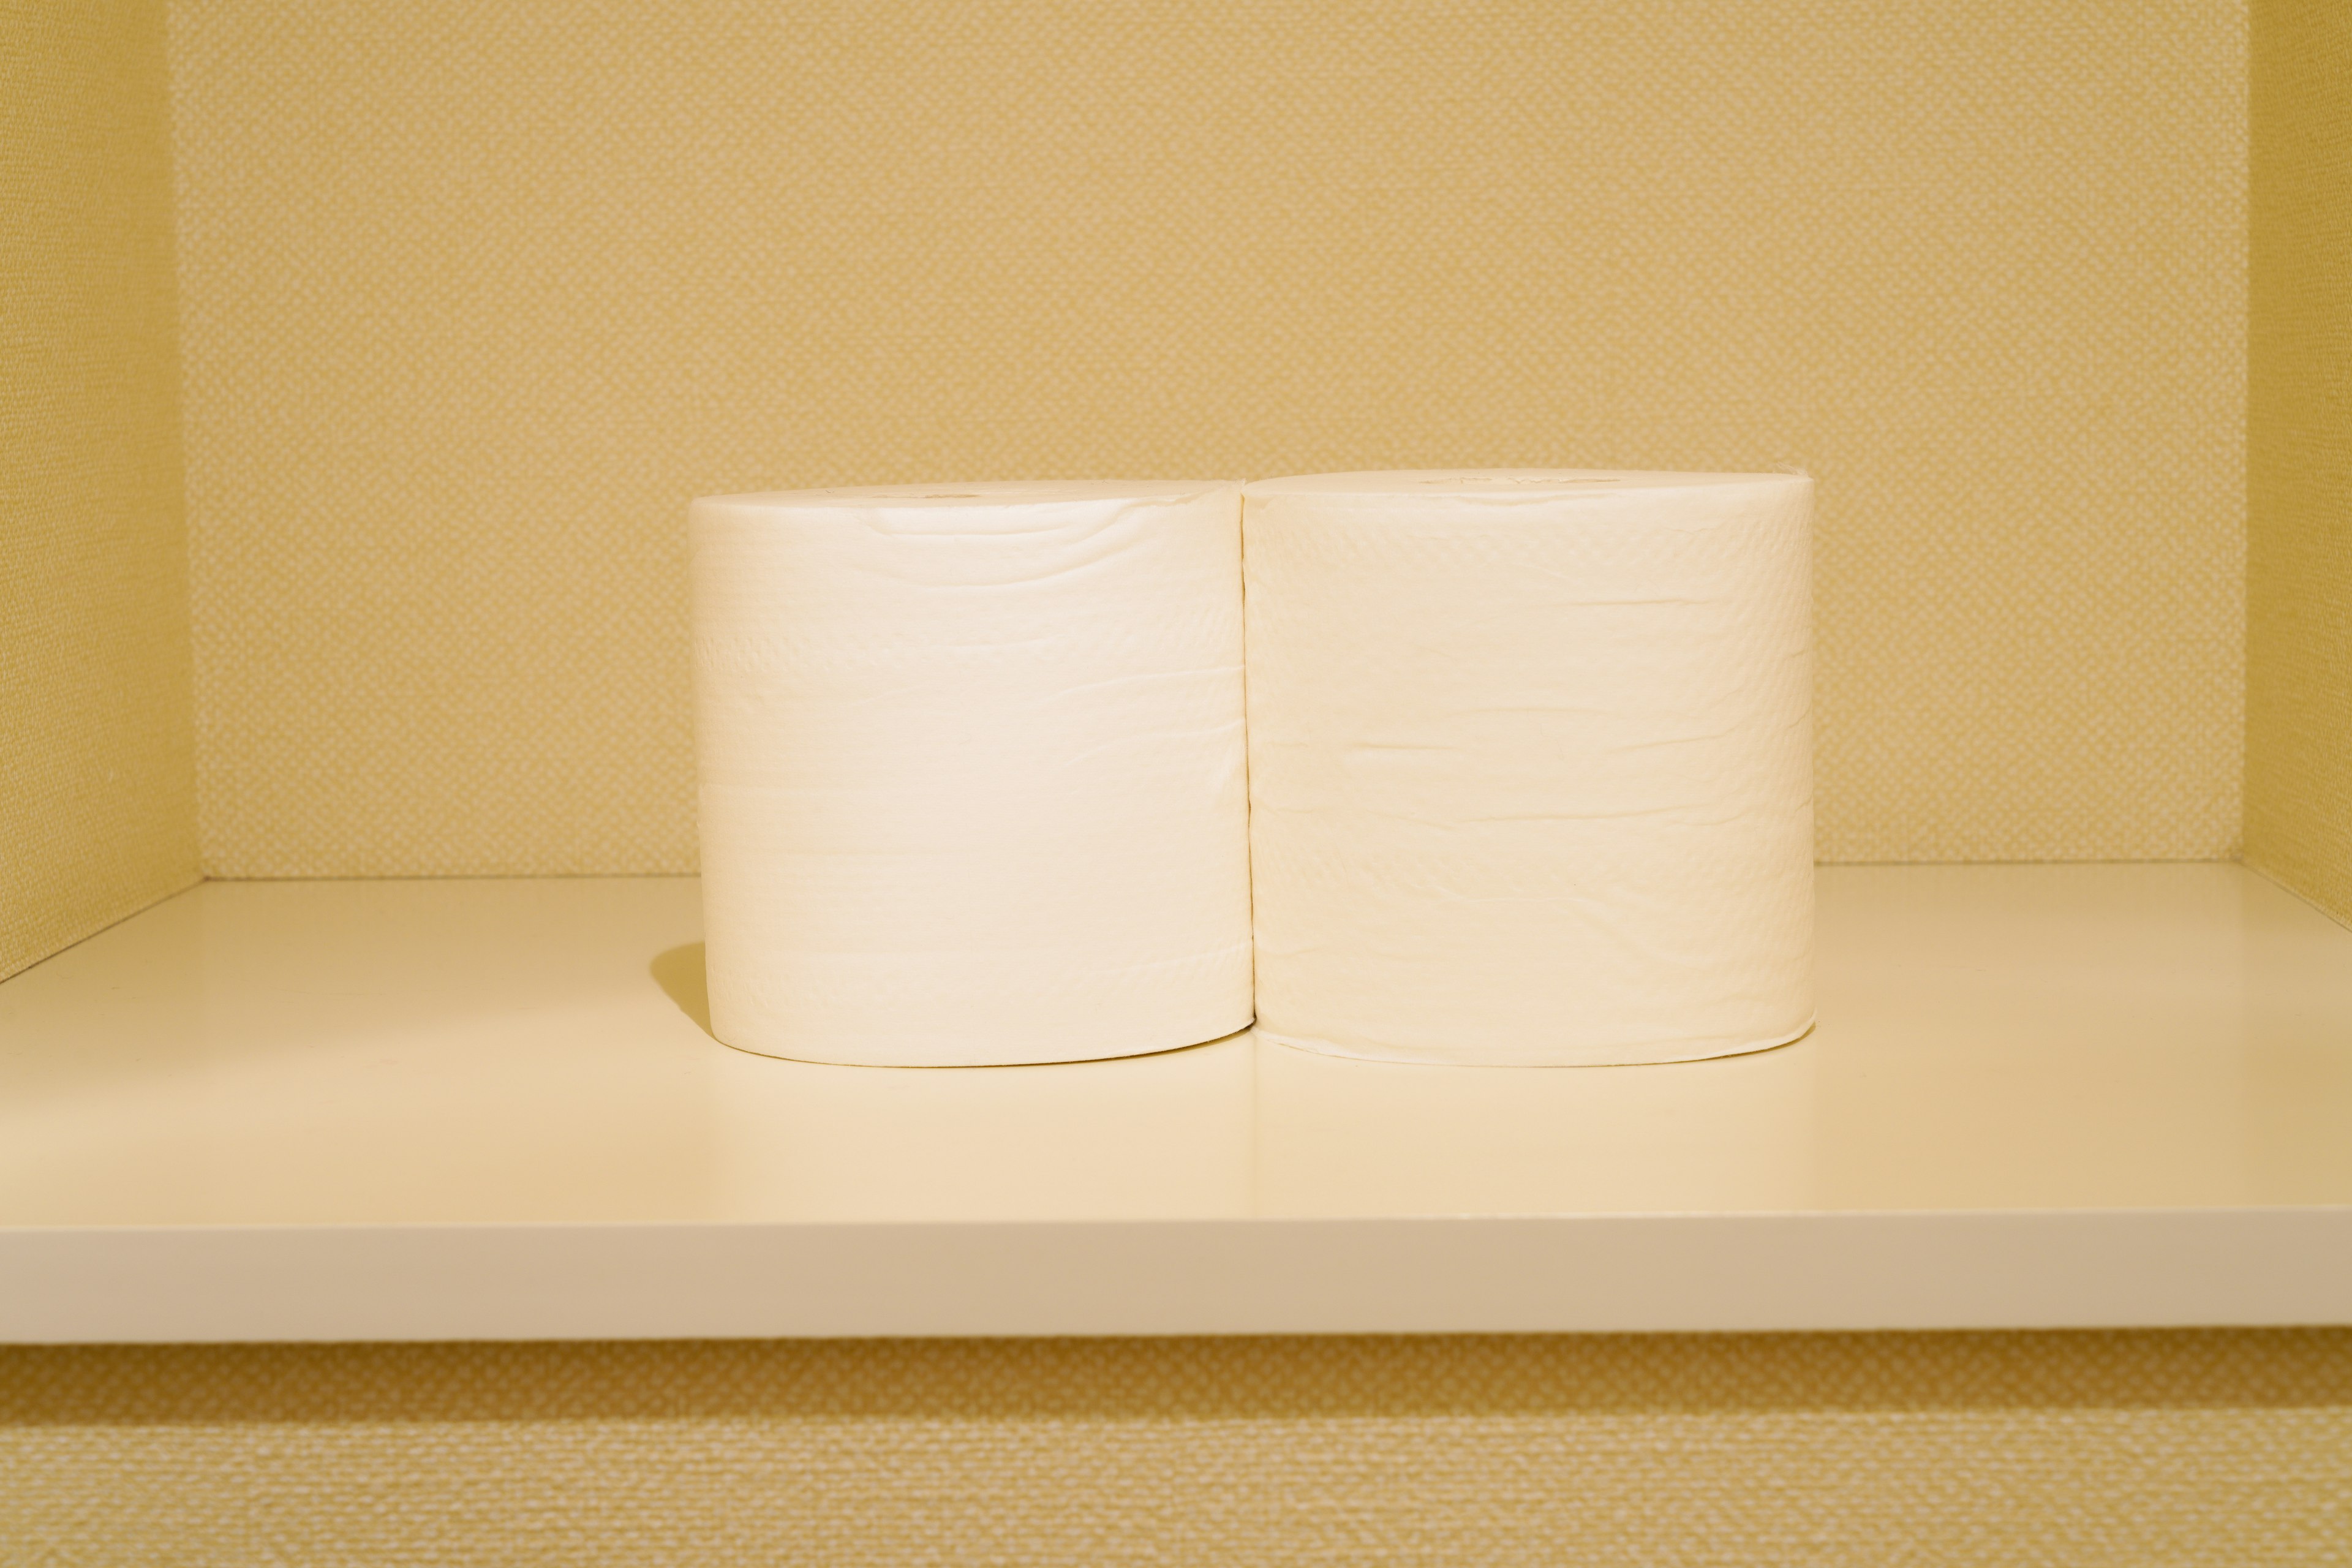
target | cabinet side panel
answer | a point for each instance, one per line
(2299, 454)
(97, 769)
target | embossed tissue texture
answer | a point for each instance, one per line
(973, 771)
(1531, 763)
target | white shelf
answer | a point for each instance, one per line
(2039, 1096)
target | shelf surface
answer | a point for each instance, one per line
(2039, 1095)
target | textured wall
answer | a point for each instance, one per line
(2299, 454)
(477, 297)
(2189, 1450)
(96, 759)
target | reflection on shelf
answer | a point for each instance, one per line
(1340, 1137)
(1992, 1038)
(1157, 1137)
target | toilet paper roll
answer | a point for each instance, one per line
(1531, 763)
(973, 771)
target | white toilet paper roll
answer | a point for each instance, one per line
(973, 771)
(1531, 763)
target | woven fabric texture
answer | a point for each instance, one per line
(476, 299)
(98, 814)
(2079, 1450)
(2299, 454)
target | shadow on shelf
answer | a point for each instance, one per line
(680, 974)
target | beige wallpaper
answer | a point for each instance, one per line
(2299, 454)
(97, 758)
(2086, 1450)
(478, 296)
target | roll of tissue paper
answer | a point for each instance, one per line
(1531, 763)
(972, 769)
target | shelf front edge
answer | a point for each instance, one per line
(1615, 1273)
